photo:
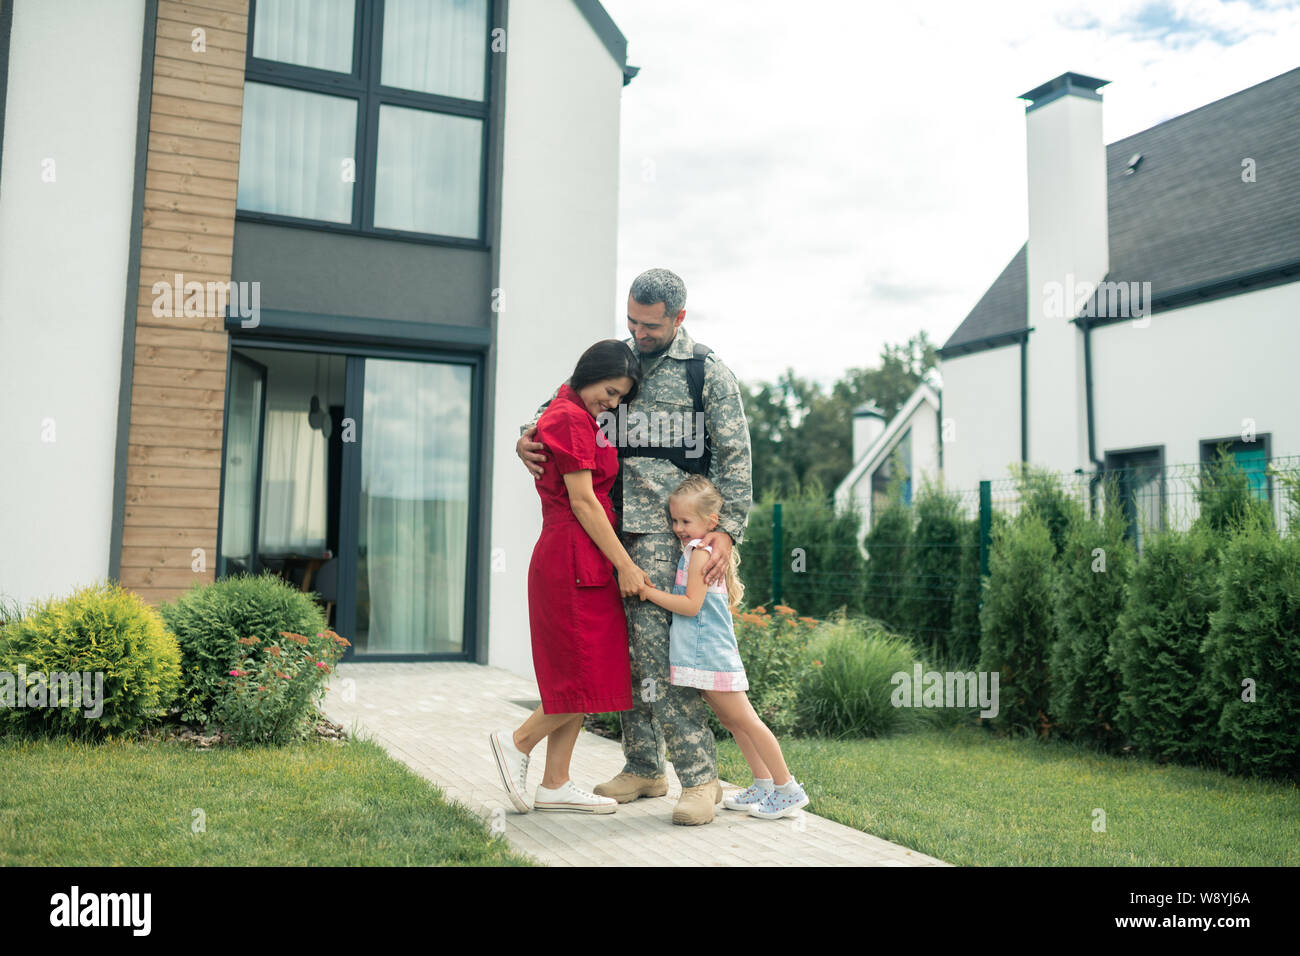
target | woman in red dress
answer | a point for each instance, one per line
(575, 605)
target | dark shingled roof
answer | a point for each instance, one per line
(610, 35)
(1184, 220)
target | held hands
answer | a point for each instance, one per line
(633, 582)
(530, 452)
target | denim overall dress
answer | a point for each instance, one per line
(702, 650)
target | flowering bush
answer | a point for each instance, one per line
(210, 619)
(270, 695)
(773, 650)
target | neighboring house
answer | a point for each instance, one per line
(415, 205)
(913, 433)
(1155, 309)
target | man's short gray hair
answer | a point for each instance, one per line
(660, 285)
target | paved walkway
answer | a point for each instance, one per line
(436, 718)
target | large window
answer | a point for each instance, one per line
(367, 116)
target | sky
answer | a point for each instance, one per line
(834, 175)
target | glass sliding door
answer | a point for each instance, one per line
(412, 545)
(245, 421)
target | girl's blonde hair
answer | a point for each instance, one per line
(702, 497)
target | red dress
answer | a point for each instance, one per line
(575, 611)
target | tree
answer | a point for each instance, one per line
(800, 433)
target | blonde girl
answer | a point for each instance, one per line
(702, 652)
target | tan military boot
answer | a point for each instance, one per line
(696, 804)
(626, 787)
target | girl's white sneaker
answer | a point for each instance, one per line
(784, 801)
(569, 797)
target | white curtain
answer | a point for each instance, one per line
(428, 172)
(315, 33)
(415, 505)
(292, 153)
(293, 481)
(435, 46)
(241, 463)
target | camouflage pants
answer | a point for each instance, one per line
(663, 714)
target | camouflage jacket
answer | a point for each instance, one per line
(647, 482)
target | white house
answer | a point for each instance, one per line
(1154, 311)
(388, 190)
(913, 432)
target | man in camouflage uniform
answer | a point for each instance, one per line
(667, 716)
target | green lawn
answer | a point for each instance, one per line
(309, 804)
(973, 800)
(961, 795)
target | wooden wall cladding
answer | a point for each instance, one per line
(173, 474)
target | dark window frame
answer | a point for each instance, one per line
(909, 492)
(355, 353)
(1112, 461)
(1208, 448)
(363, 86)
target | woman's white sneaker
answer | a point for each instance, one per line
(512, 764)
(569, 797)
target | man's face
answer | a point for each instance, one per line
(648, 324)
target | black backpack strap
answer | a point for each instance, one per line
(695, 376)
(699, 465)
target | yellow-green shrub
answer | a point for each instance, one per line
(100, 629)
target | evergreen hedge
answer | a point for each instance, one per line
(1226, 500)
(1255, 637)
(932, 569)
(1156, 647)
(886, 544)
(1042, 496)
(964, 638)
(1092, 584)
(1016, 621)
(822, 565)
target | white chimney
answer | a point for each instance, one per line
(868, 425)
(1069, 253)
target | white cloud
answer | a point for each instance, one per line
(831, 176)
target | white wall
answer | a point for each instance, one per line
(73, 95)
(923, 423)
(1198, 372)
(559, 247)
(1068, 246)
(925, 445)
(981, 398)
(866, 429)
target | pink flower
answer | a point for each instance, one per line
(237, 673)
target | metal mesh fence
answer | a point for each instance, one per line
(918, 568)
